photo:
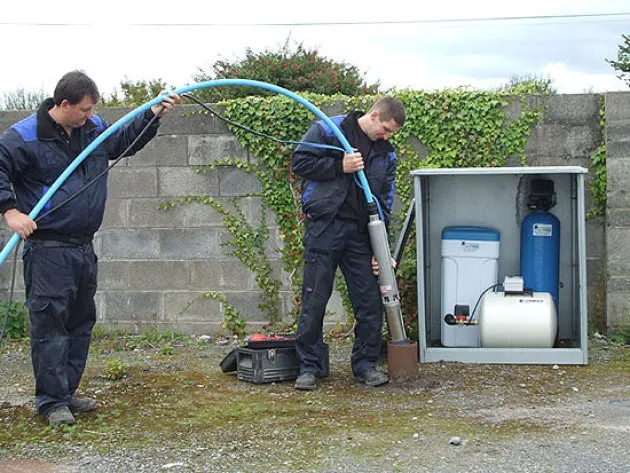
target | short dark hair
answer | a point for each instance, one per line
(73, 86)
(390, 108)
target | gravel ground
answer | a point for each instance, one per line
(451, 417)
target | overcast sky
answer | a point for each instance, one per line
(145, 40)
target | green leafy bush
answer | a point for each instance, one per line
(622, 64)
(17, 322)
(298, 70)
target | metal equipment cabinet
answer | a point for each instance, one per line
(496, 198)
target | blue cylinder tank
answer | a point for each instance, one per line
(540, 253)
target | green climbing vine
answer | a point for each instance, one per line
(448, 128)
(598, 168)
(231, 318)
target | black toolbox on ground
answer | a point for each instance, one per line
(270, 360)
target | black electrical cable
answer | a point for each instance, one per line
(472, 314)
(259, 133)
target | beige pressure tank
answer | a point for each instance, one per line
(517, 320)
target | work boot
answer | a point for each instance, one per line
(306, 382)
(81, 404)
(372, 377)
(60, 415)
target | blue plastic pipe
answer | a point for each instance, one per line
(200, 85)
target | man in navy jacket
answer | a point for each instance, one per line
(60, 267)
(336, 232)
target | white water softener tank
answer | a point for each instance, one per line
(469, 266)
(519, 320)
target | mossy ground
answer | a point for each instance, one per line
(183, 401)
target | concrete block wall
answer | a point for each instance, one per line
(618, 211)
(155, 263)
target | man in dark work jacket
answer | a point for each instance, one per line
(336, 233)
(60, 267)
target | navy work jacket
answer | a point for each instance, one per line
(325, 186)
(33, 154)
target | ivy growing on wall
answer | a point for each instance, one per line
(448, 128)
(598, 168)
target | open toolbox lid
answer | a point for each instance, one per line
(259, 340)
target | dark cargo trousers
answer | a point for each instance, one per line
(60, 282)
(341, 245)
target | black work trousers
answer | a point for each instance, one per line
(60, 282)
(341, 245)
